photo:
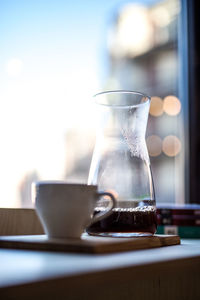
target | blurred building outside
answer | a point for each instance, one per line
(143, 56)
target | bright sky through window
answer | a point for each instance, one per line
(52, 60)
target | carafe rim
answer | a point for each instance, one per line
(146, 99)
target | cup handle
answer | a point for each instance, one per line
(101, 215)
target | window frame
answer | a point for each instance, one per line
(189, 89)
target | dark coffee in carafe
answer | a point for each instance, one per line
(129, 221)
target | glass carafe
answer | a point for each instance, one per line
(120, 165)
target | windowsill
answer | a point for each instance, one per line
(26, 274)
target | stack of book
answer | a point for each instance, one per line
(182, 220)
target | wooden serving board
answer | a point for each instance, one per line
(87, 244)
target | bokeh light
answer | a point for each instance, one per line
(171, 105)
(161, 16)
(171, 145)
(135, 30)
(156, 107)
(154, 145)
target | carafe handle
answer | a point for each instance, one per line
(112, 204)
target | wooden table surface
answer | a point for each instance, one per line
(171, 272)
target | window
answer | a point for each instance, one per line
(56, 55)
(189, 88)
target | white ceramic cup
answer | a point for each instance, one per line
(65, 209)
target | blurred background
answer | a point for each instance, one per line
(54, 55)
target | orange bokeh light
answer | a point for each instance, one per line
(154, 145)
(171, 105)
(171, 145)
(156, 107)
